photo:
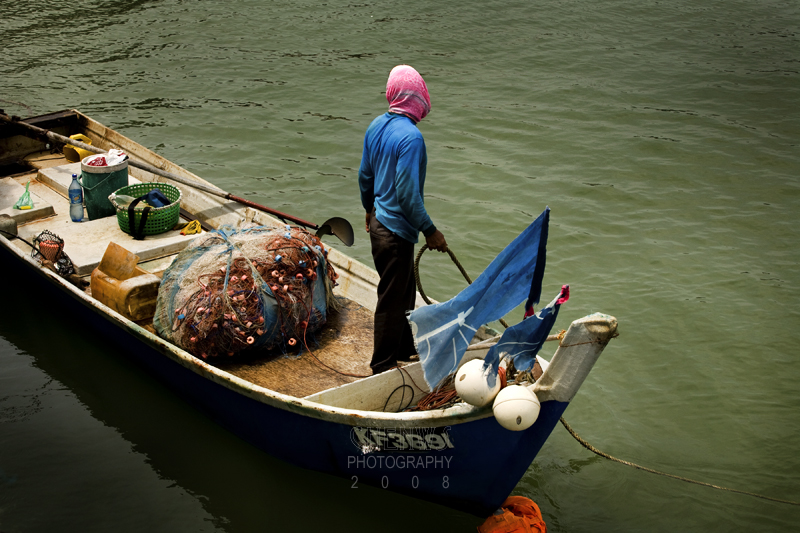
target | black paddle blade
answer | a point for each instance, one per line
(339, 227)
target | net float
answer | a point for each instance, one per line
(516, 408)
(472, 383)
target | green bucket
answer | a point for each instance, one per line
(98, 183)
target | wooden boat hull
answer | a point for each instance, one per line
(475, 475)
(460, 457)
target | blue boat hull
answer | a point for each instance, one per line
(471, 466)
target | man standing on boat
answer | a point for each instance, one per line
(391, 179)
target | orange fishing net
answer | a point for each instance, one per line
(237, 289)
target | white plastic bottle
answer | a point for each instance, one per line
(123, 200)
(75, 192)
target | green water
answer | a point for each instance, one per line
(663, 135)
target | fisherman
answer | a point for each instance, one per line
(391, 179)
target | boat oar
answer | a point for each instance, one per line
(337, 226)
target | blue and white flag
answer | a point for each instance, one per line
(443, 331)
(521, 342)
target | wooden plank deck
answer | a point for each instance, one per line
(343, 344)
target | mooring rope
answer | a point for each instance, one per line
(571, 431)
(686, 479)
(29, 108)
(457, 263)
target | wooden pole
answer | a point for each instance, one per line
(155, 170)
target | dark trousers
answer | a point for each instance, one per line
(394, 261)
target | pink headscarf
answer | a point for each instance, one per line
(407, 93)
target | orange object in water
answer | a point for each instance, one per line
(517, 515)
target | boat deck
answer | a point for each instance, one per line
(343, 346)
(338, 354)
(84, 242)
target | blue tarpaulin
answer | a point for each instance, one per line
(521, 342)
(442, 331)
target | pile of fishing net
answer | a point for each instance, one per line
(236, 289)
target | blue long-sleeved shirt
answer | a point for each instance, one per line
(392, 176)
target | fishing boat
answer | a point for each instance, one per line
(316, 411)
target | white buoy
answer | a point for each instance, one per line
(516, 408)
(472, 386)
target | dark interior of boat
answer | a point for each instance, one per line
(339, 353)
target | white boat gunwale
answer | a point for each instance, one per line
(455, 415)
(355, 277)
(352, 272)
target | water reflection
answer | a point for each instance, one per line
(81, 381)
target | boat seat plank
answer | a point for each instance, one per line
(10, 191)
(44, 159)
(344, 344)
(59, 177)
(86, 242)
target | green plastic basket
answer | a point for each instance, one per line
(160, 219)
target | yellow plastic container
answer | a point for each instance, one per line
(122, 285)
(75, 154)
